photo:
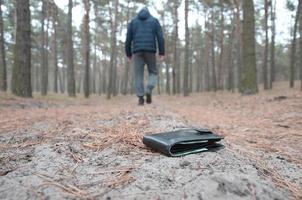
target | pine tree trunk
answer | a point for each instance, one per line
(300, 53)
(176, 69)
(112, 70)
(37, 78)
(220, 67)
(230, 63)
(273, 30)
(60, 77)
(159, 82)
(71, 88)
(214, 81)
(249, 76)
(127, 64)
(105, 75)
(168, 90)
(3, 75)
(55, 49)
(293, 50)
(21, 80)
(85, 48)
(95, 67)
(191, 77)
(265, 61)
(99, 80)
(166, 65)
(239, 58)
(44, 70)
(206, 54)
(186, 65)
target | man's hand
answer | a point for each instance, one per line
(161, 58)
(129, 59)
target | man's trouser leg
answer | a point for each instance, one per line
(150, 60)
(139, 74)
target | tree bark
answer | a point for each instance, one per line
(220, 67)
(249, 76)
(273, 31)
(186, 65)
(293, 50)
(265, 61)
(86, 48)
(113, 21)
(231, 73)
(206, 54)
(239, 58)
(300, 53)
(214, 81)
(21, 80)
(127, 64)
(176, 66)
(95, 66)
(70, 63)
(55, 48)
(44, 34)
(3, 75)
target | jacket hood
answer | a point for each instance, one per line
(144, 14)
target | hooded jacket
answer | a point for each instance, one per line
(144, 31)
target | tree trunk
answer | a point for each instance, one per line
(206, 54)
(265, 61)
(230, 63)
(127, 64)
(55, 49)
(105, 74)
(70, 63)
(273, 30)
(293, 50)
(186, 65)
(60, 77)
(220, 67)
(85, 48)
(300, 53)
(37, 78)
(3, 76)
(99, 80)
(168, 90)
(214, 81)
(21, 80)
(239, 61)
(176, 70)
(191, 77)
(159, 81)
(95, 66)
(113, 21)
(44, 34)
(249, 76)
(166, 64)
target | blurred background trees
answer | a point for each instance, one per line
(230, 45)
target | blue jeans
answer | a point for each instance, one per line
(140, 59)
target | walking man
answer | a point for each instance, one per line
(143, 35)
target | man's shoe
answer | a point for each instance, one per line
(149, 98)
(141, 101)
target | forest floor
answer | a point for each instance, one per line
(57, 147)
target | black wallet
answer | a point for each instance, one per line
(183, 142)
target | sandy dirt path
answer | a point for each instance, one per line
(92, 149)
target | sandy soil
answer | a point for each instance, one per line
(91, 149)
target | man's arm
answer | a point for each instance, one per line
(160, 39)
(128, 42)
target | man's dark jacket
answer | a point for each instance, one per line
(142, 34)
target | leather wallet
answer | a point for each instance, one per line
(183, 142)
